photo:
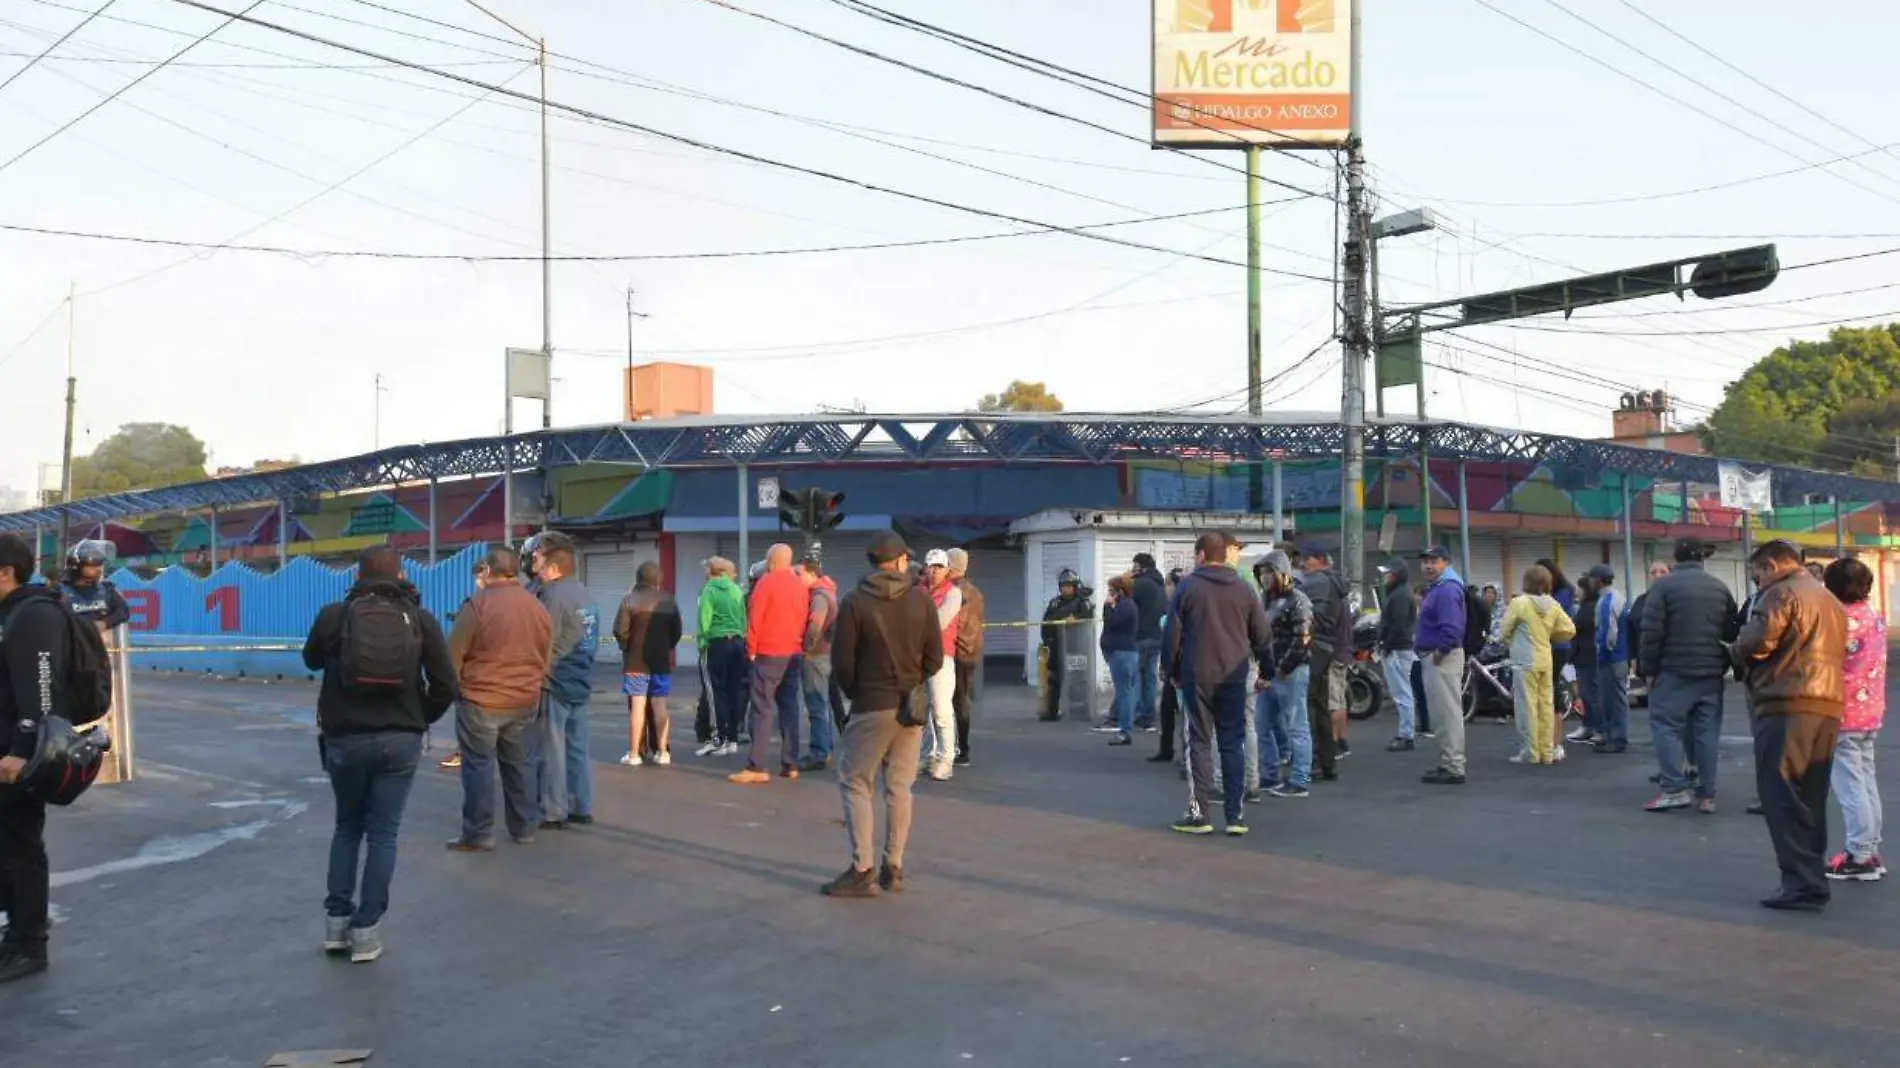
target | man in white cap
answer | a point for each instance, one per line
(940, 741)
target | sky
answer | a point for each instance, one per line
(1541, 162)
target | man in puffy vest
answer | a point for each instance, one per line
(567, 776)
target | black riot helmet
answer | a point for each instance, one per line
(65, 761)
(1067, 577)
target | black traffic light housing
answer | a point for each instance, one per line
(824, 510)
(792, 506)
(1732, 274)
(810, 511)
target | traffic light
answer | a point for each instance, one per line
(1732, 274)
(823, 508)
(792, 508)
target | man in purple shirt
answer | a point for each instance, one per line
(1440, 641)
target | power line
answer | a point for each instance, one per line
(108, 60)
(1718, 94)
(1704, 333)
(1067, 75)
(870, 53)
(1664, 93)
(737, 153)
(320, 254)
(83, 23)
(1692, 43)
(121, 91)
(35, 332)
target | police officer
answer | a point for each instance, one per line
(86, 590)
(1071, 602)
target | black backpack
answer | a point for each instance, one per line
(88, 671)
(1477, 622)
(381, 644)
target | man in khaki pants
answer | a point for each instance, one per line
(1440, 640)
(887, 643)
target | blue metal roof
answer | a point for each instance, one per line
(790, 440)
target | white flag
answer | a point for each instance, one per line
(1741, 489)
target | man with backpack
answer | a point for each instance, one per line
(45, 672)
(386, 678)
(1445, 629)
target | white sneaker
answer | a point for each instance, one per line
(1521, 757)
(663, 758)
(632, 760)
(729, 749)
(1579, 735)
(708, 748)
(1557, 755)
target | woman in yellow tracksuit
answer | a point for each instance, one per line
(1533, 621)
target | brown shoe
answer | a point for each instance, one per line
(788, 771)
(890, 878)
(749, 777)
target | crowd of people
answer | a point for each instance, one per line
(1243, 668)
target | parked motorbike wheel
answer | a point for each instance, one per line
(1365, 691)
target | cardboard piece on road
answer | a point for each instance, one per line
(317, 1058)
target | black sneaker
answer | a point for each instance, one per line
(580, 819)
(1341, 750)
(1254, 797)
(1289, 790)
(890, 878)
(1787, 902)
(1121, 739)
(554, 825)
(1441, 777)
(1192, 824)
(1401, 745)
(18, 963)
(962, 760)
(1323, 775)
(1237, 827)
(1611, 748)
(812, 763)
(852, 883)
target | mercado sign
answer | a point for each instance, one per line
(1231, 73)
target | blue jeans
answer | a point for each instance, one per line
(1397, 665)
(1150, 701)
(1613, 692)
(1858, 792)
(776, 682)
(1285, 726)
(817, 686)
(567, 777)
(370, 774)
(1124, 666)
(484, 738)
(1686, 710)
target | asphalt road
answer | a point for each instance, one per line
(1534, 917)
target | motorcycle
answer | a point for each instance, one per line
(1365, 679)
(1488, 680)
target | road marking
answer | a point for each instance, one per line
(174, 771)
(180, 848)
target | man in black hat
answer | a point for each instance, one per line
(35, 648)
(887, 643)
(1689, 620)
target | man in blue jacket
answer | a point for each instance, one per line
(1440, 642)
(567, 777)
(1216, 625)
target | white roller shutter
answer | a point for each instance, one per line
(999, 574)
(1487, 563)
(1056, 557)
(608, 576)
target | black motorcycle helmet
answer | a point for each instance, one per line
(65, 761)
(1067, 577)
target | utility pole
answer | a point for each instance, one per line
(547, 264)
(631, 316)
(1357, 339)
(1256, 479)
(66, 453)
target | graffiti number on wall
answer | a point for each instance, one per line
(143, 605)
(224, 601)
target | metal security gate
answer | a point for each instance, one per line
(609, 577)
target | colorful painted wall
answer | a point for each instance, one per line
(238, 607)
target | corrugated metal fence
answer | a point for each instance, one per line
(239, 607)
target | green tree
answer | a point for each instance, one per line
(1781, 410)
(1864, 432)
(140, 456)
(1020, 396)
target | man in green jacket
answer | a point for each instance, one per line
(721, 639)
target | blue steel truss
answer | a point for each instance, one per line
(781, 441)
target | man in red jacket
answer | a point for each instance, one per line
(775, 641)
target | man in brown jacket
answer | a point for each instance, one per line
(969, 651)
(1790, 653)
(501, 644)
